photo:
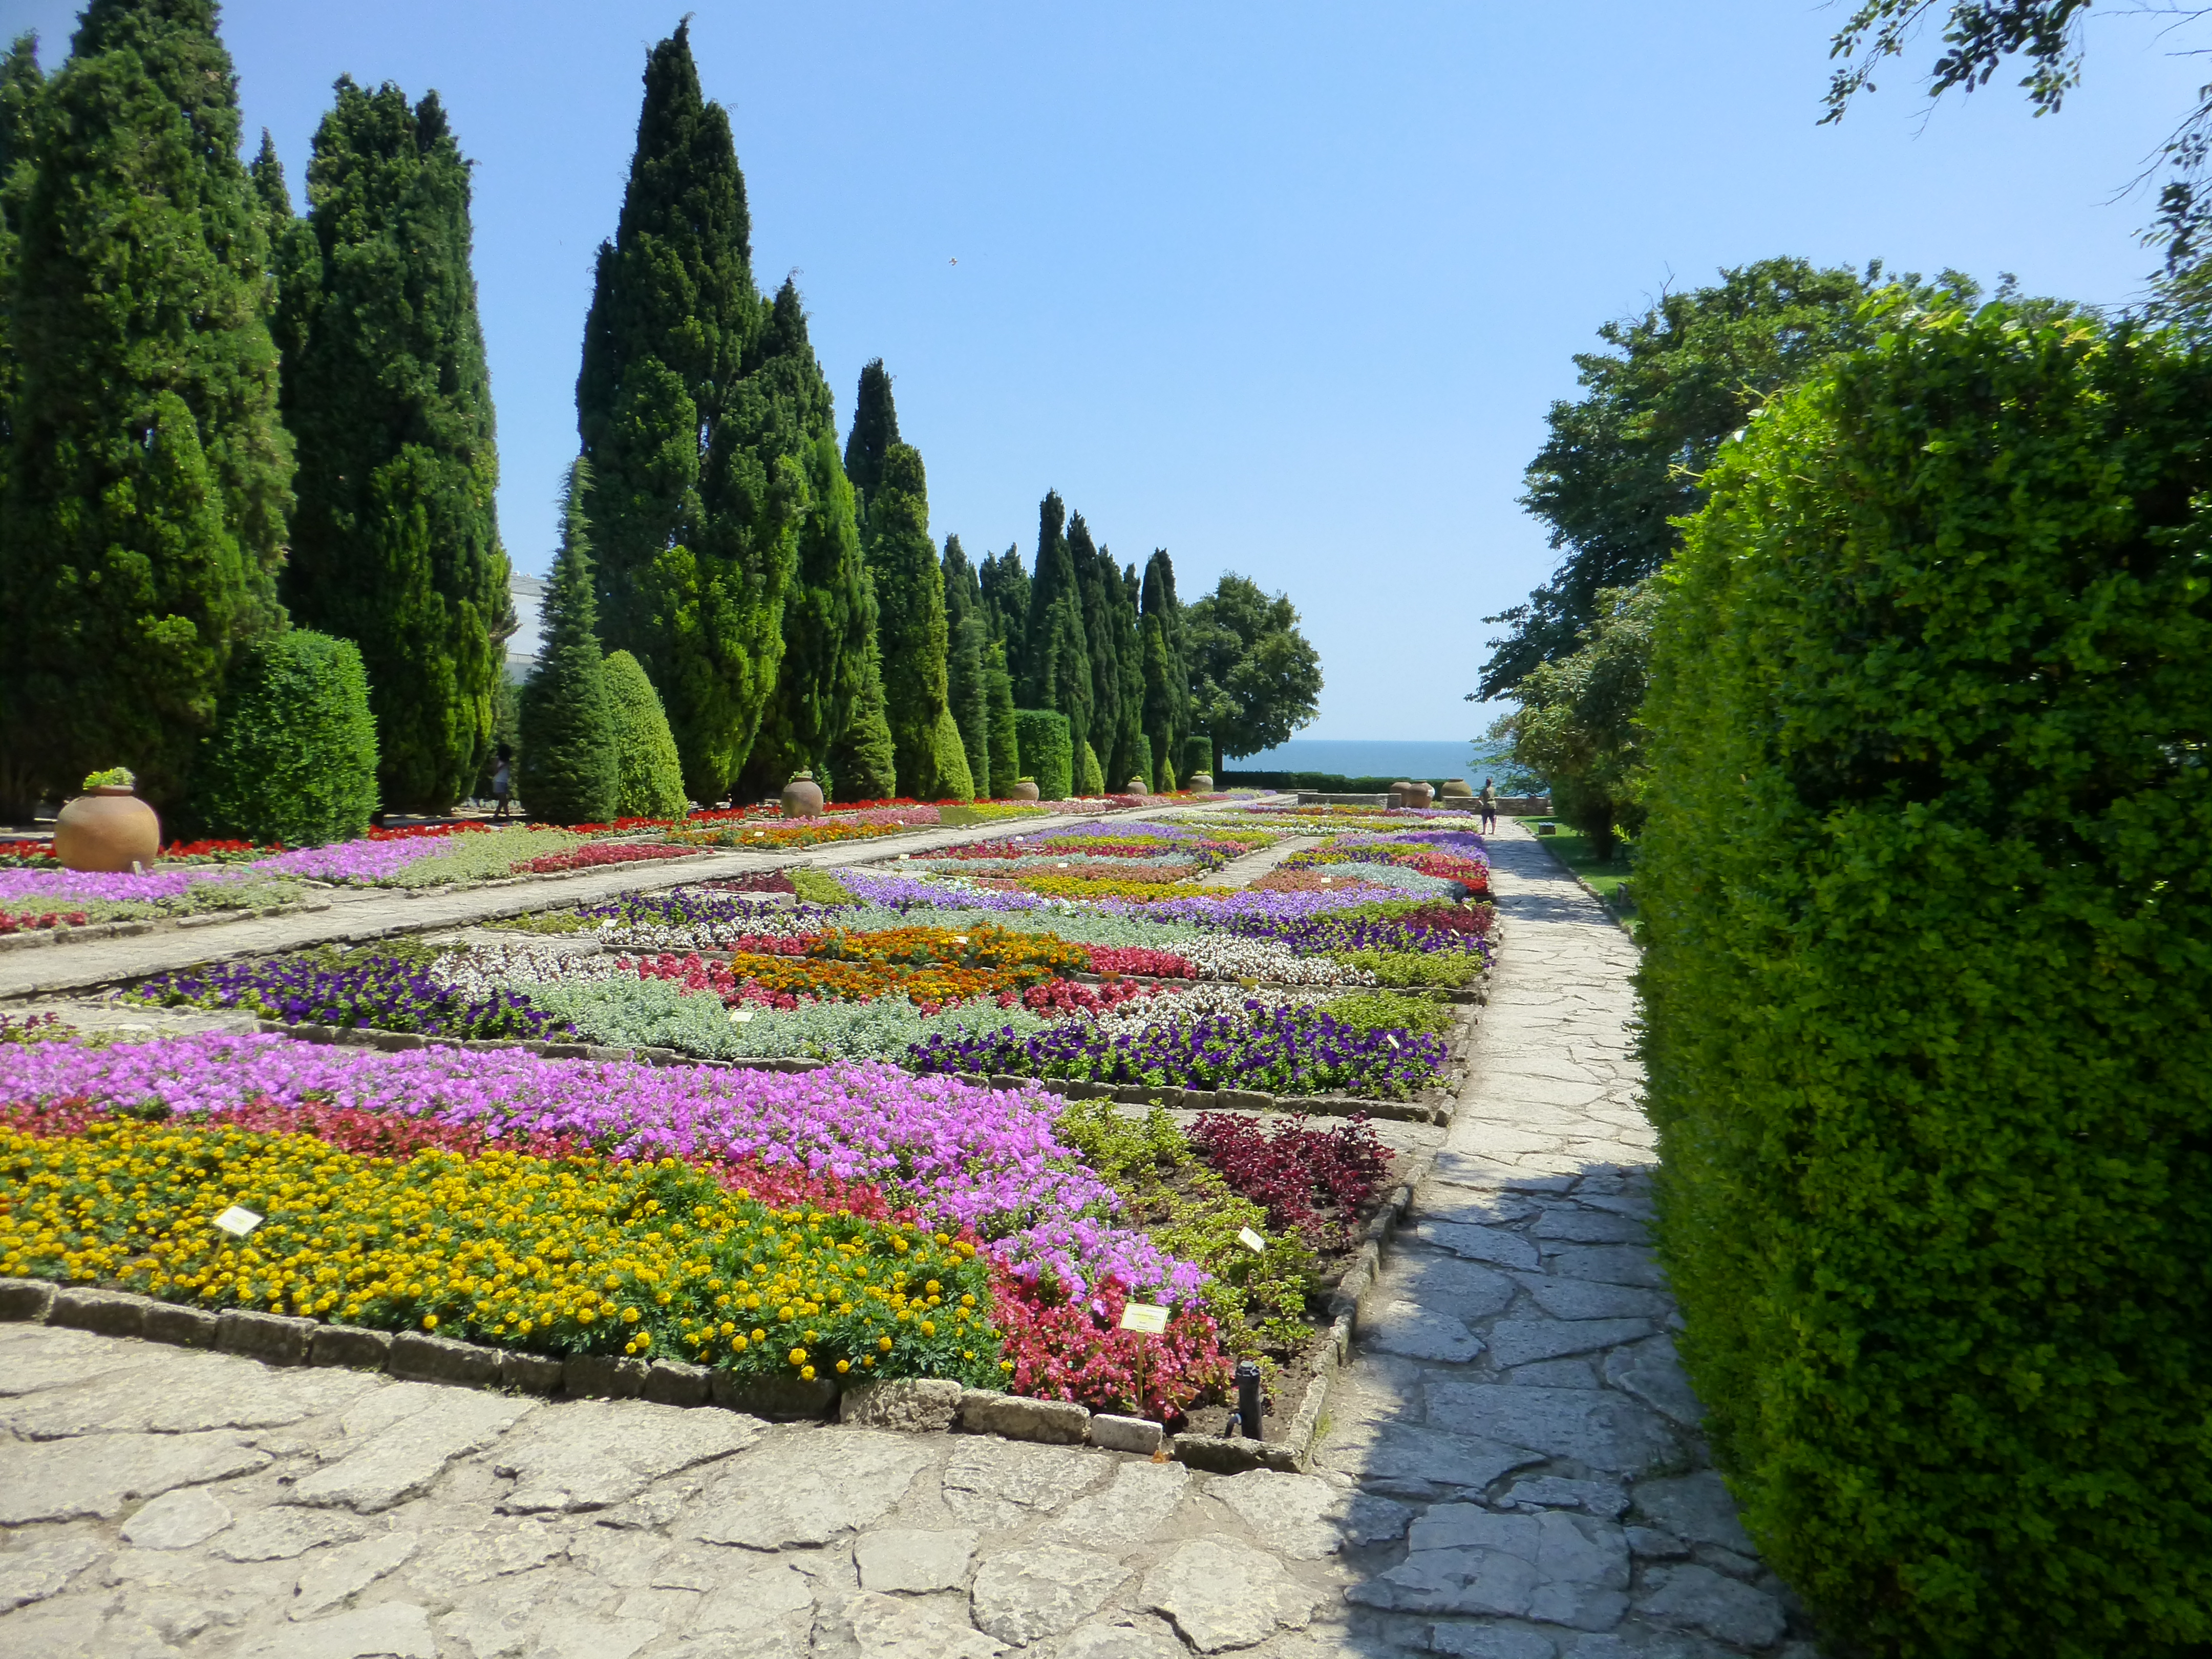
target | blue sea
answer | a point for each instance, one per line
(1379, 759)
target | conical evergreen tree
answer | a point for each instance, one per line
(695, 508)
(648, 780)
(293, 253)
(21, 87)
(863, 763)
(569, 768)
(151, 476)
(1166, 669)
(968, 642)
(1129, 745)
(909, 620)
(1005, 750)
(1057, 658)
(1005, 587)
(823, 671)
(875, 430)
(395, 543)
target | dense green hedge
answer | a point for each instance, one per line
(1047, 754)
(1927, 892)
(649, 777)
(292, 755)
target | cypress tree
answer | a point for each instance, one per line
(910, 619)
(821, 678)
(395, 543)
(1058, 655)
(968, 642)
(863, 763)
(695, 505)
(569, 770)
(648, 782)
(1005, 748)
(1094, 572)
(151, 477)
(22, 86)
(1131, 751)
(875, 430)
(1166, 668)
(1004, 585)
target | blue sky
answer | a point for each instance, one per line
(1285, 289)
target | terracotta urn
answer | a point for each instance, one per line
(1024, 789)
(106, 829)
(1457, 789)
(1420, 794)
(1398, 792)
(1200, 783)
(1137, 787)
(802, 797)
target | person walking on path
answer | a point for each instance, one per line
(1489, 798)
(502, 784)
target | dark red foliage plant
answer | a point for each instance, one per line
(1312, 1181)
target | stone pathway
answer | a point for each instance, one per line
(1242, 872)
(1510, 1468)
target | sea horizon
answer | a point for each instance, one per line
(1397, 757)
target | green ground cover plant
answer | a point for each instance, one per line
(1927, 887)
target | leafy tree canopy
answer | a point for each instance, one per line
(1254, 678)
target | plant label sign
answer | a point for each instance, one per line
(1147, 1318)
(1252, 1241)
(238, 1221)
(740, 1016)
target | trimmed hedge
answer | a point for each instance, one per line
(1197, 755)
(292, 755)
(1927, 898)
(649, 777)
(1047, 753)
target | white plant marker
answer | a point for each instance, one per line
(1251, 1241)
(1147, 1318)
(238, 1220)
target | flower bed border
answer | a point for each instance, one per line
(127, 926)
(914, 1405)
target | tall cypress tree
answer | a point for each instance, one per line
(1166, 669)
(395, 543)
(824, 675)
(22, 86)
(910, 619)
(968, 648)
(1125, 594)
(1005, 751)
(1005, 587)
(151, 476)
(1057, 657)
(695, 507)
(875, 430)
(863, 764)
(570, 769)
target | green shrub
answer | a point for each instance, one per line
(292, 755)
(649, 779)
(565, 772)
(1928, 890)
(819, 887)
(1198, 755)
(113, 777)
(1436, 970)
(948, 759)
(1144, 762)
(999, 699)
(1041, 737)
(1090, 778)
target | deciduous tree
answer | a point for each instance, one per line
(1254, 679)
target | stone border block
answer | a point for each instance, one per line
(182, 1326)
(675, 1382)
(1219, 1455)
(351, 1346)
(784, 1399)
(530, 1373)
(1054, 1422)
(418, 1357)
(25, 1299)
(109, 1313)
(1125, 1434)
(911, 1404)
(594, 1376)
(274, 1339)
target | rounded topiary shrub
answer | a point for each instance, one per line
(292, 755)
(649, 777)
(1041, 738)
(948, 758)
(1089, 776)
(1926, 889)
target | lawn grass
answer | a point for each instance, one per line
(1608, 876)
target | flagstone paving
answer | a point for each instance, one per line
(1510, 1467)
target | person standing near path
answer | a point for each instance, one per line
(1489, 798)
(502, 784)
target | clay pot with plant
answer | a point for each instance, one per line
(107, 828)
(802, 797)
(1024, 789)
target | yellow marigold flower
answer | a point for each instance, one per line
(429, 1322)
(844, 1365)
(884, 1343)
(799, 1355)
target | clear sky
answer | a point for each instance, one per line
(1285, 288)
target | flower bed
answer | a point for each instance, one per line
(390, 989)
(34, 921)
(593, 854)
